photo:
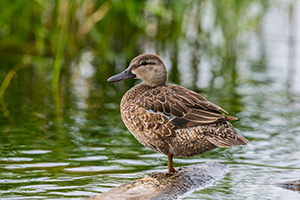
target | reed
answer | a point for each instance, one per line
(116, 31)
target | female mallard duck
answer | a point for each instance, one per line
(171, 119)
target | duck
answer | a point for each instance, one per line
(169, 118)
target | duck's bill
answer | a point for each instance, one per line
(126, 74)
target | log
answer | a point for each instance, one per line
(291, 185)
(160, 185)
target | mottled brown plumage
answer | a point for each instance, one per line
(171, 119)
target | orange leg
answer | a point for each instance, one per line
(170, 164)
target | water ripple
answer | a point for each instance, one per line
(35, 165)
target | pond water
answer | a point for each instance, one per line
(87, 150)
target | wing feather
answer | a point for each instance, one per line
(183, 107)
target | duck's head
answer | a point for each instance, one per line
(147, 67)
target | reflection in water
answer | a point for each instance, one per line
(292, 44)
(81, 79)
(236, 53)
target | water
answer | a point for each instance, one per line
(84, 149)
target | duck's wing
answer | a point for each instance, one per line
(183, 107)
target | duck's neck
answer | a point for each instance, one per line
(135, 93)
(131, 95)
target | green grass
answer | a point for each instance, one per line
(59, 31)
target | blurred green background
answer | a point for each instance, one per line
(61, 135)
(47, 44)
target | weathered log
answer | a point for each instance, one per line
(291, 185)
(159, 185)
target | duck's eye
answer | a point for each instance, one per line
(144, 63)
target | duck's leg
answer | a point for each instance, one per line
(170, 164)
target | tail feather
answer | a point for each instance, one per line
(225, 136)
